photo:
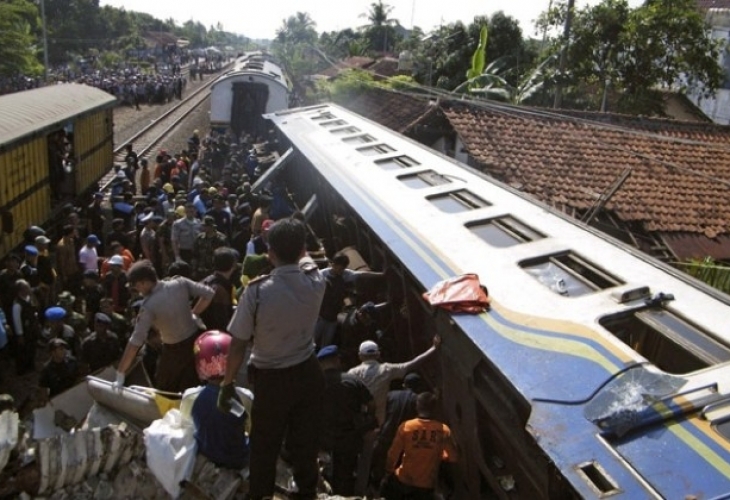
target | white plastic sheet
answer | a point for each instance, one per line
(171, 450)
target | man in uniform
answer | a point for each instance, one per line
(277, 313)
(183, 234)
(205, 244)
(101, 348)
(61, 371)
(74, 319)
(166, 306)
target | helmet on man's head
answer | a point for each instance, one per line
(211, 354)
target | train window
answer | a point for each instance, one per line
(395, 163)
(668, 341)
(423, 179)
(569, 274)
(504, 231)
(345, 131)
(359, 139)
(458, 201)
(377, 149)
(334, 123)
(323, 116)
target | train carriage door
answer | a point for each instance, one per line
(61, 162)
(249, 103)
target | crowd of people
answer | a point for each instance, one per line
(184, 268)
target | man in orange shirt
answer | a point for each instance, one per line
(415, 456)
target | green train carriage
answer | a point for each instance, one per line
(55, 144)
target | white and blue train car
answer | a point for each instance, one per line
(256, 84)
(598, 372)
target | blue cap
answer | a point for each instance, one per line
(55, 313)
(93, 239)
(31, 250)
(327, 352)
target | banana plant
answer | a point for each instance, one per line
(708, 271)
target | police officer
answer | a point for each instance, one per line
(183, 234)
(166, 306)
(277, 313)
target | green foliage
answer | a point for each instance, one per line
(294, 46)
(348, 84)
(18, 49)
(478, 60)
(380, 33)
(708, 271)
(400, 82)
(661, 44)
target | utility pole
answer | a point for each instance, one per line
(45, 41)
(564, 55)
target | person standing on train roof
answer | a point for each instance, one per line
(166, 307)
(277, 313)
(414, 459)
(184, 232)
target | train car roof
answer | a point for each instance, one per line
(589, 383)
(32, 112)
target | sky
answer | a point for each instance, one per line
(262, 19)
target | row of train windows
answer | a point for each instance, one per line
(666, 340)
(566, 274)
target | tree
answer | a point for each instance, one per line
(295, 48)
(18, 44)
(380, 31)
(661, 44)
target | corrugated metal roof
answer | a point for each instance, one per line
(33, 111)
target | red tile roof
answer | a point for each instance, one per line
(680, 180)
(679, 187)
(395, 110)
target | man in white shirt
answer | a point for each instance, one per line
(88, 256)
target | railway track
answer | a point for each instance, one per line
(159, 129)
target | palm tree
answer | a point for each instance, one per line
(381, 26)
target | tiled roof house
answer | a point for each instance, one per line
(674, 204)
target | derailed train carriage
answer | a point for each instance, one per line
(598, 372)
(55, 143)
(256, 84)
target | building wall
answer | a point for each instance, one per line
(718, 107)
